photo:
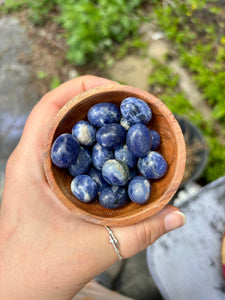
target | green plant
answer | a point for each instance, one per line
(55, 81)
(11, 6)
(193, 28)
(199, 46)
(94, 27)
(40, 10)
(41, 74)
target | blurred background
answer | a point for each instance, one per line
(173, 49)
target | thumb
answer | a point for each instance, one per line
(135, 238)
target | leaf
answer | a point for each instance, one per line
(55, 81)
(41, 74)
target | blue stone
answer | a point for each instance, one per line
(125, 123)
(115, 172)
(98, 178)
(84, 132)
(111, 135)
(153, 165)
(113, 197)
(139, 189)
(133, 173)
(156, 140)
(135, 110)
(139, 140)
(103, 113)
(100, 155)
(64, 150)
(82, 164)
(84, 188)
(122, 153)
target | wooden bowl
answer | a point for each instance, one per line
(172, 148)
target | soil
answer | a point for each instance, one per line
(49, 54)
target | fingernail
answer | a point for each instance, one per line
(174, 220)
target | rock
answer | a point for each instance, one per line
(132, 70)
(158, 49)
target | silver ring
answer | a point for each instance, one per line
(113, 240)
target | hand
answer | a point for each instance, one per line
(45, 251)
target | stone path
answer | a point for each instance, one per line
(17, 96)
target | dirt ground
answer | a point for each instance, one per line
(48, 55)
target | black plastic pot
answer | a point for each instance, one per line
(196, 151)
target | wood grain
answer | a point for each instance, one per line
(172, 148)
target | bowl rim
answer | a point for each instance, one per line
(140, 215)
